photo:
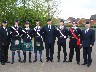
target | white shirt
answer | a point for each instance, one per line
(6, 30)
(61, 27)
(86, 30)
(49, 26)
(4, 27)
(27, 28)
(38, 27)
(75, 27)
(16, 25)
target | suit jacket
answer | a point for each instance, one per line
(49, 34)
(88, 38)
(64, 31)
(4, 36)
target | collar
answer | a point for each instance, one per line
(49, 25)
(62, 26)
(16, 25)
(27, 28)
(87, 29)
(4, 27)
(38, 27)
(74, 27)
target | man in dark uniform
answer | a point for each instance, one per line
(38, 40)
(27, 41)
(49, 39)
(75, 36)
(16, 32)
(4, 42)
(62, 35)
(88, 39)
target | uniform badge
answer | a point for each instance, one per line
(17, 42)
(27, 45)
(49, 30)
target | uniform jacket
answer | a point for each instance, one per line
(88, 38)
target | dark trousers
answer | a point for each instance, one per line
(49, 51)
(40, 52)
(4, 53)
(64, 50)
(87, 54)
(24, 53)
(77, 50)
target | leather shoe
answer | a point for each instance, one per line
(41, 60)
(35, 60)
(78, 63)
(58, 60)
(88, 65)
(84, 63)
(8, 62)
(2, 63)
(47, 60)
(69, 61)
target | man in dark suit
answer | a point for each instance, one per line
(4, 42)
(62, 35)
(49, 39)
(88, 39)
(74, 35)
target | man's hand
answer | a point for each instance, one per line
(80, 46)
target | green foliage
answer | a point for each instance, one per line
(23, 10)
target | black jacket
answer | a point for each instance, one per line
(88, 38)
(4, 36)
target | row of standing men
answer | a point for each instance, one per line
(78, 38)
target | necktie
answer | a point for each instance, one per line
(86, 31)
(50, 26)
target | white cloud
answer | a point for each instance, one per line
(77, 8)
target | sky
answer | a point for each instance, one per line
(77, 8)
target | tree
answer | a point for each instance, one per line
(52, 7)
(26, 10)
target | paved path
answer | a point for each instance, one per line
(50, 66)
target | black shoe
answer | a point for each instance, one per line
(47, 60)
(84, 63)
(41, 60)
(64, 61)
(23, 61)
(19, 60)
(12, 62)
(51, 60)
(30, 61)
(35, 60)
(58, 60)
(88, 65)
(78, 63)
(2, 63)
(8, 62)
(69, 61)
